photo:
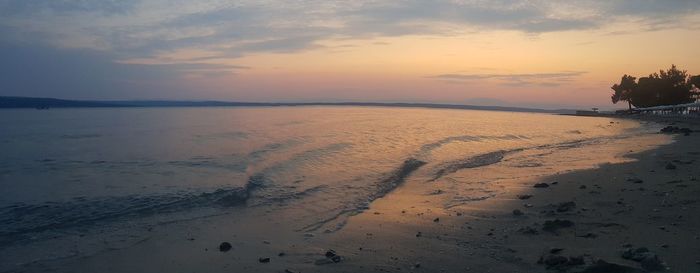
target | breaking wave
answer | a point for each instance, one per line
(393, 180)
(471, 162)
(20, 219)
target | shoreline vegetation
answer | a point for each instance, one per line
(667, 87)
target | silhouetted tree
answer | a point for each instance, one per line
(667, 87)
(695, 82)
(623, 90)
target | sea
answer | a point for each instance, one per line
(74, 173)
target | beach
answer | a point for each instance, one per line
(583, 221)
(619, 205)
(369, 136)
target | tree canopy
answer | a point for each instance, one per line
(667, 87)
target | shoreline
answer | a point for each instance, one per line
(408, 231)
(590, 220)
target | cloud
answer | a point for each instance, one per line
(104, 7)
(389, 17)
(652, 8)
(143, 28)
(148, 24)
(284, 45)
(525, 79)
(111, 31)
(70, 73)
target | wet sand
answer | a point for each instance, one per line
(626, 217)
(581, 221)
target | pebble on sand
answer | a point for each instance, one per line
(528, 231)
(331, 257)
(541, 185)
(555, 225)
(566, 206)
(560, 263)
(602, 266)
(524, 196)
(224, 246)
(649, 260)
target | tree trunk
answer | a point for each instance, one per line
(629, 104)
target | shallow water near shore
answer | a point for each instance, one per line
(68, 174)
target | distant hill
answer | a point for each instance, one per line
(24, 102)
(43, 103)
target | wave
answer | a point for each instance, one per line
(80, 136)
(490, 158)
(393, 180)
(223, 135)
(471, 162)
(20, 219)
(259, 154)
(303, 158)
(396, 178)
(428, 148)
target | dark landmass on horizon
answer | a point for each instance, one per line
(43, 103)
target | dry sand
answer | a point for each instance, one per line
(615, 207)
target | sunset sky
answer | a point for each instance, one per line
(517, 53)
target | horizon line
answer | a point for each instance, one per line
(34, 102)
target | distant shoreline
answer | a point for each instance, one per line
(47, 103)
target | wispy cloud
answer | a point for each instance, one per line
(518, 79)
(141, 28)
(115, 34)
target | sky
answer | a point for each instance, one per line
(547, 54)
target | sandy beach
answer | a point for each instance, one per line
(635, 216)
(637, 213)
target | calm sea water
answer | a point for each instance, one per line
(68, 171)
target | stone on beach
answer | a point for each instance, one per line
(541, 185)
(524, 196)
(602, 266)
(676, 130)
(559, 262)
(555, 225)
(635, 180)
(528, 231)
(331, 257)
(555, 250)
(648, 260)
(224, 246)
(566, 206)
